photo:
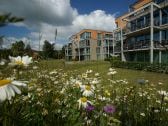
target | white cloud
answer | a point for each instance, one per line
(8, 41)
(35, 12)
(97, 19)
(46, 15)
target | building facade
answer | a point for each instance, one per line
(141, 36)
(144, 32)
(89, 44)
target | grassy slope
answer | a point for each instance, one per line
(102, 67)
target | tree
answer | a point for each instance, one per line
(1, 41)
(18, 48)
(48, 49)
(5, 53)
(7, 18)
(62, 54)
(28, 50)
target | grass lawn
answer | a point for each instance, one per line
(63, 93)
(102, 67)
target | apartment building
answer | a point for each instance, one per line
(142, 33)
(89, 44)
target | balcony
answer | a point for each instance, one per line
(165, 20)
(162, 3)
(69, 54)
(117, 49)
(139, 45)
(108, 38)
(106, 52)
(164, 44)
(82, 53)
(134, 31)
(84, 43)
(106, 45)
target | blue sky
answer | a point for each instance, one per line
(67, 16)
(110, 6)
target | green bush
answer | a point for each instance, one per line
(156, 67)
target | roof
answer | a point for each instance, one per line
(124, 14)
(138, 1)
(83, 30)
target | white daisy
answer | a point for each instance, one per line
(83, 102)
(8, 88)
(88, 90)
(89, 71)
(111, 71)
(2, 63)
(77, 83)
(84, 75)
(97, 74)
(163, 93)
(25, 60)
(94, 81)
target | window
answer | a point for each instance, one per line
(87, 42)
(133, 25)
(159, 1)
(82, 36)
(106, 43)
(87, 57)
(140, 22)
(156, 18)
(156, 36)
(99, 36)
(110, 42)
(98, 42)
(98, 50)
(98, 56)
(117, 36)
(88, 35)
(108, 36)
(147, 18)
(165, 35)
(140, 38)
(165, 16)
(85, 35)
(87, 50)
(147, 37)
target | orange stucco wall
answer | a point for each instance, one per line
(141, 3)
(120, 23)
(93, 33)
(93, 42)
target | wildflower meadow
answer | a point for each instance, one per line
(55, 93)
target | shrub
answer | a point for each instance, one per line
(156, 67)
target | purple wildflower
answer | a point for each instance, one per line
(109, 109)
(90, 107)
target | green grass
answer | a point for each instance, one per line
(102, 67)
(52, 94)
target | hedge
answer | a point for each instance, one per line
(156, 67)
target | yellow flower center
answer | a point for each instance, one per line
(87, 87)
(19, 62)
(4, 82)
(107, 92)
(84, 99)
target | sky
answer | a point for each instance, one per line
(67, 16)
